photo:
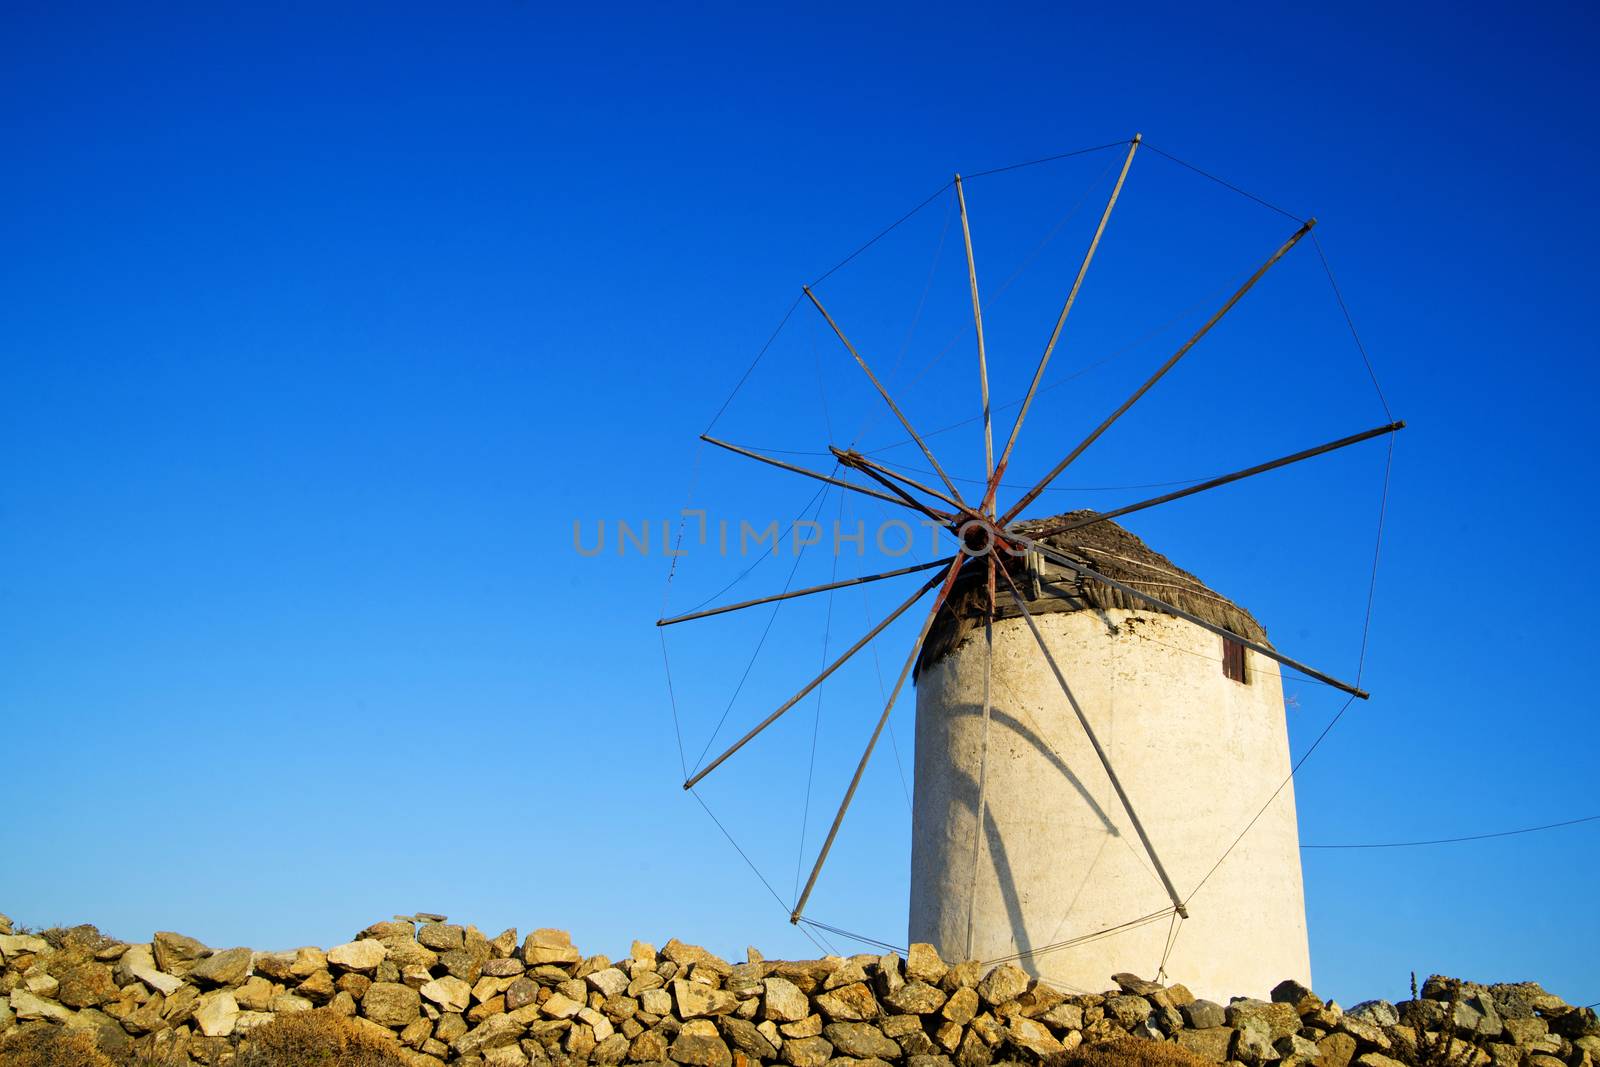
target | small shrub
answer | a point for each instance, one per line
(45, 1045)
(1129, 1052)
(319, 1038)
(1441, 1048)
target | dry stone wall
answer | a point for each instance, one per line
(446, 993)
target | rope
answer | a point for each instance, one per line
(1225, 184)
(1351, 323)
(765, 633)
(880, 236)
(748, 862)
(885, 945)
(1046, 159)
(1361, 659)
(1469, 837)
(1084, 939)
(751, 368)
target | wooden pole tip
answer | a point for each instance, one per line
(1138, 137)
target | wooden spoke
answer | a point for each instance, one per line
(885, 394)
(1162, 605)
(1105, 760)
(861, 768)
(977, 318)
(857, 461)
(1055, 472)
(862, 580)
(1061, 321)
(875, 473)
(819, 679)
(1260, 468)
(808, 473)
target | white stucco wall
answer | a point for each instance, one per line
(1198, 754)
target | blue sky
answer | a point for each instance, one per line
(323, 326)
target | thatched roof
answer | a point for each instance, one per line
(1102, 546)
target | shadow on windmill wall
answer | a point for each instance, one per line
(941, 785)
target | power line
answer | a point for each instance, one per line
(1468, 837)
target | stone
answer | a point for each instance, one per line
(288, 1002)
(86, 985)
(949, 1035)
(561, 1007)
(497, 1031)
(358, 955)
(923, 964)
(1335, 1050)
(1290, 991)
(1066, 1016)
(175, 953)
(317, 987)
(648, 1047)
(700, 1050)
(406, 954)
(228, 967)
(608, 982)
(782, 1001)
(747, 1038)
(1272, 1019)
(504, 968)
(1003, 983)
(1295, 1049)
(520, 992)
(961, 1006)
(1376, 1012)
(860, 1040)
(546, 945)
(810, 1026)
(807, 1051)
(1366, 1033)
(255, 994)
(688, 955)
(1128, 1010)
(29, 1006)
(217, 1014)
(1132, 983)
(1204, 1014)
(973, 1052)
(930, 1061)
(1377, 1059)
(391, 1004)
(1253, 1046)
(1526, 1031)
(850, 1003)
(1212, 1042)
(449, 992)
(699, 1001)
(916, 997)
(14, 945)
(1579, 1022)
(441, 937)
(1033, 1036)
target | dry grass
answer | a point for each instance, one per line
(1129, 1052)
(50, 1046)
(320, 1038)
(1442, 1048)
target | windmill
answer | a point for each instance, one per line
(1033, 615)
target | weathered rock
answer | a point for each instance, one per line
(1272, 1019)
(1579, 1022)
(1204, 1014)
(497, 1031)
(1064, 1016)
(961, 1006)
(175, 953)
(358, 955)
(1033, 1036)
(608, 981)
(1335, 1050)
(441, 937)
(217, 1014)
(27, 1006)
(850, 1003)
(1132, 983)
(916, 997)
(810, 1026)
(1128, 1010)
(747, 1038)
(504, 967)
(807, 1051)
(1377, 1059)
(562, 1007)
(1376, 1012)
(648, 1047)
(1003, 983)
(1212, 1043)
(228, 967)
(783, 1002)
(860, 1040)
(696, 1001)
(1369, 1035)
(1253, 1046)
(449, 992)
(700, 1046)
(86, 985)
(547, 945)
(391, 1004)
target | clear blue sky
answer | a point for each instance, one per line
(321, 326)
